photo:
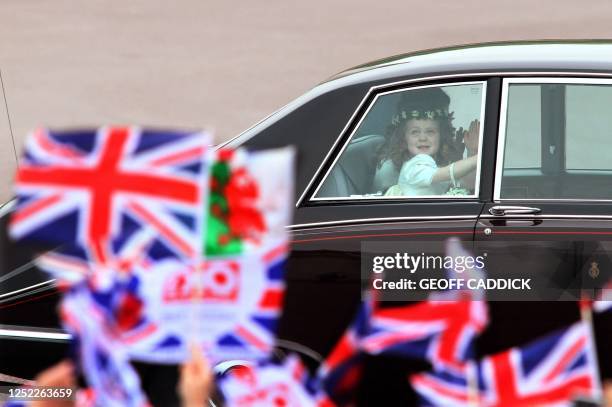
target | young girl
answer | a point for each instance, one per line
(422, 150)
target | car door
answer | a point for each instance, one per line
(550, 215)
(343, 211)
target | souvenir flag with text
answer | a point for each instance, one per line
(229, 306)
(554, 369)
(272, 384)
(86, 188)
(101, 356)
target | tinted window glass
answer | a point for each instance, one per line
(558, 141)
(418, 142)
(588, 127)
(524, 127)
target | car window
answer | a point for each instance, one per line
(524, 127)
(558, 138)
(421, 142)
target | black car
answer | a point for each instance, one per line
(540, 191)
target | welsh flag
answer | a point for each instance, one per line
(249, 201)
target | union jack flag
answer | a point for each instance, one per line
(442, 387)
(86, 188)
(341, 372)
(441, 330)
(454, 249)
(103, 360)
(554, 369)
(438, 331)
(72, 264)
(272, 384)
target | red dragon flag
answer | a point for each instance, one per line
(249, 201)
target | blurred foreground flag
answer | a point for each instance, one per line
(552, 370)
(228, 306)
(556, 368)
(442, 387)
(604, 302)
(89, 187)
(272, 384)
(342, 370)
(250, 201)
(100, 355)
(441, 332)
(230, 301)
(200, 235)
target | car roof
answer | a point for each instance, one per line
(553, 55)
(549, 56)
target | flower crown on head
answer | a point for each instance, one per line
(421, 114)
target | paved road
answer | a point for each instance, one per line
(227, 64)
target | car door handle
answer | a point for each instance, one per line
(501, 210)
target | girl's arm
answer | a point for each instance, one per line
(460, 168)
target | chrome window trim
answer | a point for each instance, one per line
(345, 222)
(357, 198)
(18, 333)
(503, 114)
(501, 140)
(488, 74)
(332, 148)
(536, 216)
(551, 200)
(7, 207)
(483, 83)
(49, 283)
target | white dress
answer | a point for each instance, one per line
(415, 178)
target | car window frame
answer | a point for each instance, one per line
(355, 122)
(605, 79)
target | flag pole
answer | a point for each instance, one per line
(199, 258)
(586, 316)
(472, 383)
